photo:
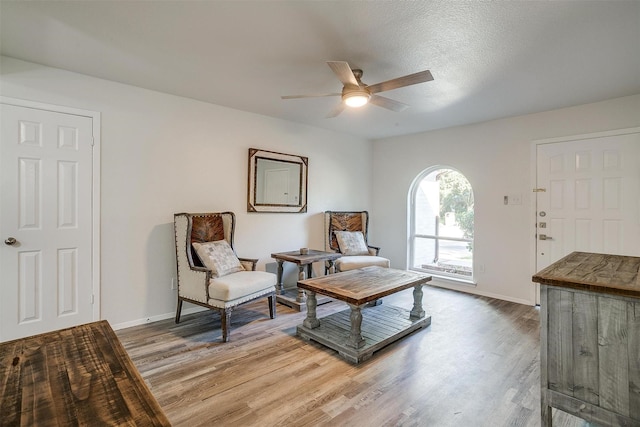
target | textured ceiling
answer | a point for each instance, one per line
(489, 59)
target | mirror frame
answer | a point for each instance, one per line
(254, 155)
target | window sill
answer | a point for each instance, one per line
(445, 278)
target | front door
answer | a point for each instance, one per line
(45, 221)
(588, 196)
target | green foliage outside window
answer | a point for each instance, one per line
(456, 196)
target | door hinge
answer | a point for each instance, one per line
(539, 190)
(93, 299)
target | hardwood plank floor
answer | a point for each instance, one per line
(477, 364)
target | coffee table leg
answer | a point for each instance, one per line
(355, 335)
(311, 321)
(280, 287)
(301, 276)
(417, 312)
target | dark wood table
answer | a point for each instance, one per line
(590, 338)
(75, 376)
(358, 332)
(295, 297)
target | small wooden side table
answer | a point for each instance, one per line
(305, 269)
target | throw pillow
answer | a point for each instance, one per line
(218, 257)
(351, 243)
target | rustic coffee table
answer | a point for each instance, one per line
(295, 297)
(357, 333)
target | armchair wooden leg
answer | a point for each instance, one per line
(226, 323)
(272, 306)
(178, 310)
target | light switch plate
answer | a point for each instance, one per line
(515, 199)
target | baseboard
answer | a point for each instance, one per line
(156, 318)
(450, 286)
(473, 290)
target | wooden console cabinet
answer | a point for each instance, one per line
(590, 338)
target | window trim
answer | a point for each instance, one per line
(412, 234)
(442, 277)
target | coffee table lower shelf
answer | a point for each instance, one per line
(291, 300)
(381, 326)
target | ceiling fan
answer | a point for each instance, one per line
(356, 94)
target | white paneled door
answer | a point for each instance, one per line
(45, 221)
(588, 196)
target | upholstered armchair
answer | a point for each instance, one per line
(346, 232)
(209, 272)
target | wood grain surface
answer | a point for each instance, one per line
(611, 274)
(365, 284)
(79, 376)
(476, 365)
(590, 355)
(309, 258)
(381, 326)
(590, 350)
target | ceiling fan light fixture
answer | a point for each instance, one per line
(355, 94)
(356, 97)
(356, 101)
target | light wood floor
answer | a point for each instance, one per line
(477, 364)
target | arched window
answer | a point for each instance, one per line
(441, 224)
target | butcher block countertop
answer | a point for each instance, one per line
(603, 273)
(76, 376)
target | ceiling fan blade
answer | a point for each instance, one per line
(336, 110)
(387, 103)
(318, 95)
(343, 71)
(411, 79)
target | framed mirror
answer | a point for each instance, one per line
(277, 182)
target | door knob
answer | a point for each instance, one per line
(545, 237)
(10, 241)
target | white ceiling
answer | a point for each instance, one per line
(489, 59)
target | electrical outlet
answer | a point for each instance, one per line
(173, 284)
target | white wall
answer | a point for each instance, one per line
(496, 158)
(163, 154)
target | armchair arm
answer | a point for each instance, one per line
(193, 283)
(248, 263)
(373, 250)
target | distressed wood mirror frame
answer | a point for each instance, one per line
(277, 182)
